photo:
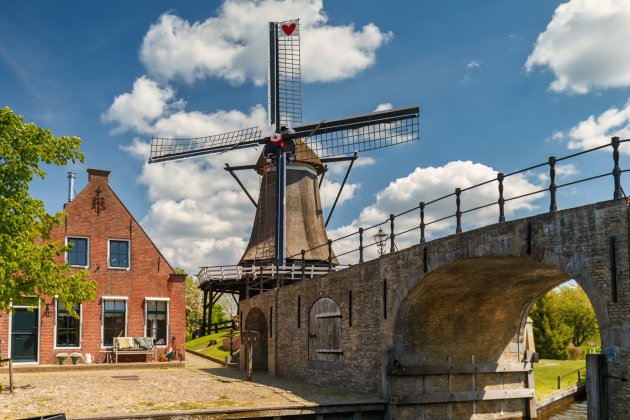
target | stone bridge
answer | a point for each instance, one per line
(437, 329)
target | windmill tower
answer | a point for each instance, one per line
(289, 215)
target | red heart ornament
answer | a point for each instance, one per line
(288, 29)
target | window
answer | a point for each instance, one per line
(78, 254)
(114, 320)
(118, 253)
(157, 316)
(68, 327)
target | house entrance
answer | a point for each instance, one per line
(24, 335)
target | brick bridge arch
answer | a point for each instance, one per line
(443, 301)
(473, 312)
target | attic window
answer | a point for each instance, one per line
(118, 253)
(77, 256)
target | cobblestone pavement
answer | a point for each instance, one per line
(201, 385)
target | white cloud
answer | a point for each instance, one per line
(384, 107)
(233, 44)
(473, 64)
(586, 46)
(139, 109)
(330, 189)
(430, 183)
(598, 130)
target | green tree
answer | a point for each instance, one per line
(577, 313)
(27, 257)
(194, 305)
(551, 334)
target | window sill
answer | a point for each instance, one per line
(83, 267)
(119, 268)
(67, 348)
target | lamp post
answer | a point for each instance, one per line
(380, 239)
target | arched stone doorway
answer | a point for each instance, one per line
(257, 321)
(459, 337)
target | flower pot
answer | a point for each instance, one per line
(62, 360)
(75, 360)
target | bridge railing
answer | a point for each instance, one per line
(388, 238)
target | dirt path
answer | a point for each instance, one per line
(201, 385)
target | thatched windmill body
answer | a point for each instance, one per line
(289, 215)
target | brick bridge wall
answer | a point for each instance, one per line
(469, 302)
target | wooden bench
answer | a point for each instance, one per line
(132, 345)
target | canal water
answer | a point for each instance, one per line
(576, 410)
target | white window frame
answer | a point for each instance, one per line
(87, 238)
(55, 347)
(103, 299)
(109, 241)
(168, 316)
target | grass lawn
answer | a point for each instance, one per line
(202, 345)
(547, 371)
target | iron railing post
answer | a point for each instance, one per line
(552, 184)
(330, 255)
(501, 201)
(616, 170)
(392, 247)
(422, 225)
(458, 213)
(360, 245)
(303, 252)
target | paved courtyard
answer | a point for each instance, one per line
(202, 385)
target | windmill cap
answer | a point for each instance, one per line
(304, 156)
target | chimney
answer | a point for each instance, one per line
(71, 191)
(94, 174)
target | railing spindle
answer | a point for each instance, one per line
(392, 247)
(616, 170)
(458, 213)
(360, 245)
(501, 201)
(552, 184)
(303, 252)
(330, 255)
(422, 225)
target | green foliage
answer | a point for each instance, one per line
(218, 314)
(563, 315)
(194, 305)
(27, 259)
(577, 312)
(551, 334)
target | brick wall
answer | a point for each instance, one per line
(471, 300)
(149, 274)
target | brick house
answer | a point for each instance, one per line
(138, 292)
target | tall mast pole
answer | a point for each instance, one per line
(280, 157)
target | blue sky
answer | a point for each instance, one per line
(501, 85)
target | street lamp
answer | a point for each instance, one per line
(380, 239)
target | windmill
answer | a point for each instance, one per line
(290, 143)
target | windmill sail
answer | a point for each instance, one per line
(285, 79)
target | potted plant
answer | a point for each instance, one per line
(75, 357)
(61, 357)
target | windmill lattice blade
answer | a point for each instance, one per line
(289, 75)
(163, 149)
(361, 133)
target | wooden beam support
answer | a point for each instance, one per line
(460, 396)
(418, 370)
